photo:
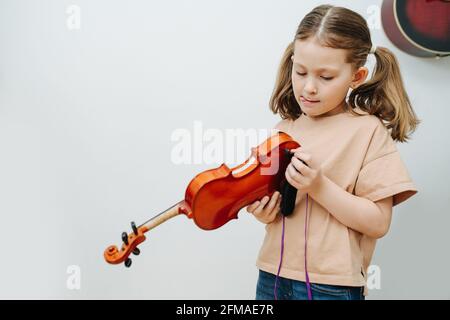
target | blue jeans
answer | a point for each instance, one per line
(288, 289)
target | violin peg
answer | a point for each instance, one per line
(128, 262)
(125, 238)
(133, 226)
(136, 251)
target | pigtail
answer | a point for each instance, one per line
(384, 96)
(283, 100)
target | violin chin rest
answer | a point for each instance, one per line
(288, 192)
(288, 197)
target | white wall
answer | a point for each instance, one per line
(86, 117)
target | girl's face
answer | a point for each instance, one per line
(320, 74)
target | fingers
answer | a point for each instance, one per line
(276, 208)
(300, 166)
(267, 208)
(273, 201)
(253, 206)
(292, 173)
(261, 206)
(302, 156)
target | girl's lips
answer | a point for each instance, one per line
(307, 102)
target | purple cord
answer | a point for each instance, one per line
(308, 286)
(281, 260)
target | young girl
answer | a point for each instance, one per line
(353, 175)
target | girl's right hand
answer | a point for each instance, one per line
(266, 209)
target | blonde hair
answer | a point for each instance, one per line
(383, 95)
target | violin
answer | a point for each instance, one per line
(215, 196)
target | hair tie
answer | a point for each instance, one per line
(373, 49)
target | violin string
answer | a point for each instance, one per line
(158, 215)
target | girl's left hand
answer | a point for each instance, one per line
(301, 176)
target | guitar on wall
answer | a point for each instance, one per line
(418, 27)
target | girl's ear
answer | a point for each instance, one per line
(359, 77)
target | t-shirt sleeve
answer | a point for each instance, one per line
(383, 173)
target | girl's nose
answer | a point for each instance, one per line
(310, 87)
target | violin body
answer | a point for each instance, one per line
(215, 196)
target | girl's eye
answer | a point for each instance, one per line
(325, 78)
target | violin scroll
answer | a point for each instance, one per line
(130, 242)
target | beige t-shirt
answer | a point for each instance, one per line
(358, 154)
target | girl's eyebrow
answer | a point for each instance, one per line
(320, 69)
